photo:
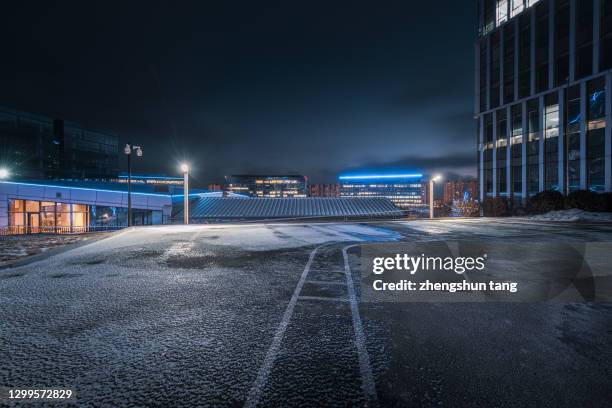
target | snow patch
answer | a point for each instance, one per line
(573, 215)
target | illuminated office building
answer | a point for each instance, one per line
(542, 105)
(324, 190)
(271, 186)
(404, 190)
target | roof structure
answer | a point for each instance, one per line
(265, 208)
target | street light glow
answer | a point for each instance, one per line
(437, 177)
(4, 173)
(184, 168)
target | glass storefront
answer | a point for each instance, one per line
(33, 217)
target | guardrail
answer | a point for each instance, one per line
(23, 230)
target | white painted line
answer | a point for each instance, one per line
(268, 363)
(323, 298)
(320, 282)
(367, 379)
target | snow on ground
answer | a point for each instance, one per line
(18, 246)
(573, 215)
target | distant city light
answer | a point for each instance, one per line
(381, 176)
(4, 173)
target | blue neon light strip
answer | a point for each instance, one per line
(151, 177)
(384, 176)
(83, 188)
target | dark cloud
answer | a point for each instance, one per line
(312, 87)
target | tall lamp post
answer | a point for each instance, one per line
(185, 170)
(431, 195)
(128, 151)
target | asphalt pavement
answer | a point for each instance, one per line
(272, 315)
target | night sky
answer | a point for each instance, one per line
(307, 87)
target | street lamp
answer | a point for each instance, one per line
(431, 195)
(185, 170)
(4, 173)
(128, 151)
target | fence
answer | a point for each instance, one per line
(22, 230)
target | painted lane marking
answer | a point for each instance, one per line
(367, 379)
(323, 298)
(268, 363)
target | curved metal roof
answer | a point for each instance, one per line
(229, 207)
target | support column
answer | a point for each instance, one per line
(488, 104)
(494, 153)
(561, 140)
(508, 148)
(524, 151)
(596, 34)
(608, 146)
(477, 77)
(481, 156)
(551, 44)
(502, 58)
(532, 51)
(541, 142)
(572, 42)
(583, 141)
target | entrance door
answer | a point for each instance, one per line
(33, 223)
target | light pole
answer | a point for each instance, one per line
(185, 170)
(431, 195)
(128, 151)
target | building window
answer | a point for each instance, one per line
(596, 125)
(502, 12)
(533, 147)
(509, 63)
(516, 175)
(551, 142)
(495, 69)
(517, 7)
(605, 51)
(541, 44)
(524, 56)
(501, 146)
(572, 143)
(488, 153)
(584, 39)
(562, 23)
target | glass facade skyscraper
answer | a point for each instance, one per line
(38, 147)
(542, 96)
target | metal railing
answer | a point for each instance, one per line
(25, 230)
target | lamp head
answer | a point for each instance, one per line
(4, 173)
(184, 168)
(437, 177)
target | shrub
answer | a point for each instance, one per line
(606, 202)
(546, 201)
(585, 200)
(495, 207)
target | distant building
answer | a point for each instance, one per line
(271, 186)
(460, 190)
(324, 190)
(38, 147)
(215, 187)
(406, 191)
(159, 183)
